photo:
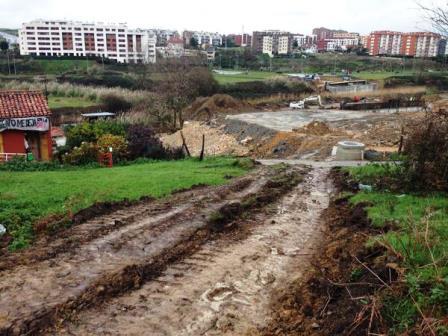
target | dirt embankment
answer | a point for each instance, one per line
(340, 296)
(217, 141)
(86, 265)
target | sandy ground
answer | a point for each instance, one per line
(225, 288)
(287, 120)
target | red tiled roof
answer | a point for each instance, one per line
(22, 104)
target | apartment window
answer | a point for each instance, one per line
(41, 33)
(54, 28)
(120, 35)
(29, 38)
(99, 29)
(78, 49)
(32, 48)
(121, 30)
(42, 28)
(31, 28)
(43, 38)
(55, 33)
(77, 28)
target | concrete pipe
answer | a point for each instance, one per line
(350, 151)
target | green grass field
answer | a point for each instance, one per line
(418, 238)
(59, 66)
(28, 196)
(244, 77)
(55, 102)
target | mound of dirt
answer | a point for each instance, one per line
(314, 128)
(206, 108)
(314, 140)
(217, 142)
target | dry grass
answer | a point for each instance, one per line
(92, 93)
(383, 93)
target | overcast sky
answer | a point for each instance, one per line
(227, 16)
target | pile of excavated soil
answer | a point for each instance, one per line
(205, 108)
(217, 142)
(314, 128)
(316, 139)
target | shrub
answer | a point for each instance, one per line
(86, 153)
(426, 149)
(91, 132)
(143, 142)
(114, 103)
(118, 144)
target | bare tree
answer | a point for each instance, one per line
(182, 82)
(437, 16)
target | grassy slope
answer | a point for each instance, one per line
(419, 236)
(59, 102)
(28, 196)
(59, 66)
(249, 77)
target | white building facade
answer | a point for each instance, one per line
(79, 39)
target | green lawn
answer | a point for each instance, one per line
(244, 77)
(28, 196)
(418, 239)
(58, 66)
(55, 102)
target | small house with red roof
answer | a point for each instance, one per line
(25, 125)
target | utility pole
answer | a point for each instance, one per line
(14, 64)
(9, 67)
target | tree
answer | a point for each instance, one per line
(295, 44)
(4, 45)
(184, 82)
(437, 16)
(194, 43)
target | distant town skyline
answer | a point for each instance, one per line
(231, 16)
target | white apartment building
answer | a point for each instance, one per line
(268, 45)
(341, 43)
(80, 39)
(206, 39)
(427, 45)
(284, 45)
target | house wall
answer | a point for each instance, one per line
(13, 142)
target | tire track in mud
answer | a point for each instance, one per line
(36, 295)
(226, 286)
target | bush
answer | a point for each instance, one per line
(20, 164)
(86, 153)
(114, 103)
(143, 142)
(91, 132)
(426, 149)
(118, 144)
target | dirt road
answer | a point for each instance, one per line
(203, 263)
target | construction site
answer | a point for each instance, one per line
(236, 259)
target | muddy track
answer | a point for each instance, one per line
(225, 286)
(118, 252)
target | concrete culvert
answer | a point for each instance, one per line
(350, 151)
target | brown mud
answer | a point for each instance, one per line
(115, 253)
(340, 294)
